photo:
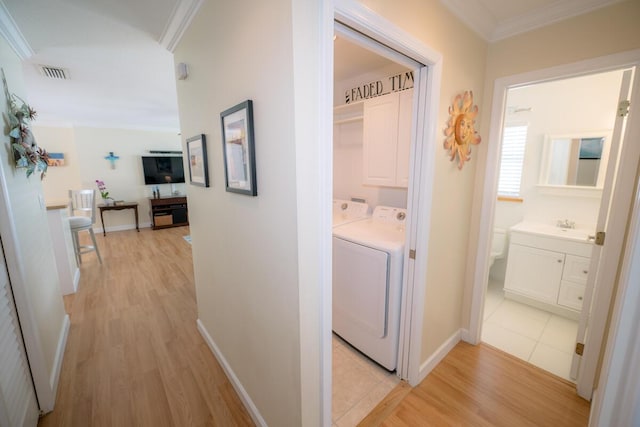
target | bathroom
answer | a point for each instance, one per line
(543, 123)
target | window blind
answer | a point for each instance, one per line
(511, 160)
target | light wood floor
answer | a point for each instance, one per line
(134, 356)
(482, 386)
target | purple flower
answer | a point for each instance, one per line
(103, 189)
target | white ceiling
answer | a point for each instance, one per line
(119, 73)
(121, 69)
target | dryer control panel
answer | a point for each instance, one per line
(389, 215)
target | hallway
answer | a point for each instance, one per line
(134, 356)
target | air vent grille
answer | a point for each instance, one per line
(54, 72)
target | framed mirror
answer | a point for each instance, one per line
(575, 160)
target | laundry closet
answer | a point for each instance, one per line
(557, 146)
(373, 103)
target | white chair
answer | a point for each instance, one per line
(82, 206)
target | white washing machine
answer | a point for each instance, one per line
(346, 211)
(368, 260)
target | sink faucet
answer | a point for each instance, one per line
(566, 224)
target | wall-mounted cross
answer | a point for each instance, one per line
(112, 158)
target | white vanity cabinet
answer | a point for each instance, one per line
(387, 139)
(546, 271)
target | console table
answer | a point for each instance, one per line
(169, 212)
(120, 206)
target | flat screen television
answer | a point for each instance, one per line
(162, 169)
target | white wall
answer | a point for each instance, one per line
(85, 150)
(60, 179)
(245, 249)
(347, 151)
(36, 271)
(573, 106)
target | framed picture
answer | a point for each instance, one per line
(56, 159)
(239, 149)
(197, 154)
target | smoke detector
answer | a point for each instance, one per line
(54, 72)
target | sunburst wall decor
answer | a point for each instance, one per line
(460, 130)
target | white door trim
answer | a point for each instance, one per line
(615, 400)
(481, 270)
(363, 20)
(622, 201)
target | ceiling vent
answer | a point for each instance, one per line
(54, 72)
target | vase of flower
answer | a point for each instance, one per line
(104, 193)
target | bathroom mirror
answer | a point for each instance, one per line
(575, 160)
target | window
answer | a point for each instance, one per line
(511, 160)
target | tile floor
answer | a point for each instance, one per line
(358, 384)
(539, 337)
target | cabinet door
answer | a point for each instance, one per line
(535, 273)
(571, 295)
(405, 114)
(380, 140)
(576, 268)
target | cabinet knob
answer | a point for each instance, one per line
(559, 261)
(585, 271)
(580, 298)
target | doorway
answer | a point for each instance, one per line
(367, 28)
(612, 218)
(364, 181)
(553, 164)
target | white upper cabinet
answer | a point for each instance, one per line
(387, 139)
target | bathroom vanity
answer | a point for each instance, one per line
(547, 267)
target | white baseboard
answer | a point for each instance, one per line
(57, 362)
(76, 279)
(237, 385)
(438, 355)
(122, 227)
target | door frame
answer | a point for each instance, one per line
(601, 306)
(422, 170)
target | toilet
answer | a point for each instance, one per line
(498, 245)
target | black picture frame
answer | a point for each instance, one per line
(238, 147)
(197, 159)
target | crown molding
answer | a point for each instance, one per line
(179, 21)
(475, 15)
(12, 34)
(555, 12)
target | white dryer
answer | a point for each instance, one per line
(346, 211)
(368, 260)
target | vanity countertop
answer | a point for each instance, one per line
(573, 234)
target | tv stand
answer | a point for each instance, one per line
(169, 212)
